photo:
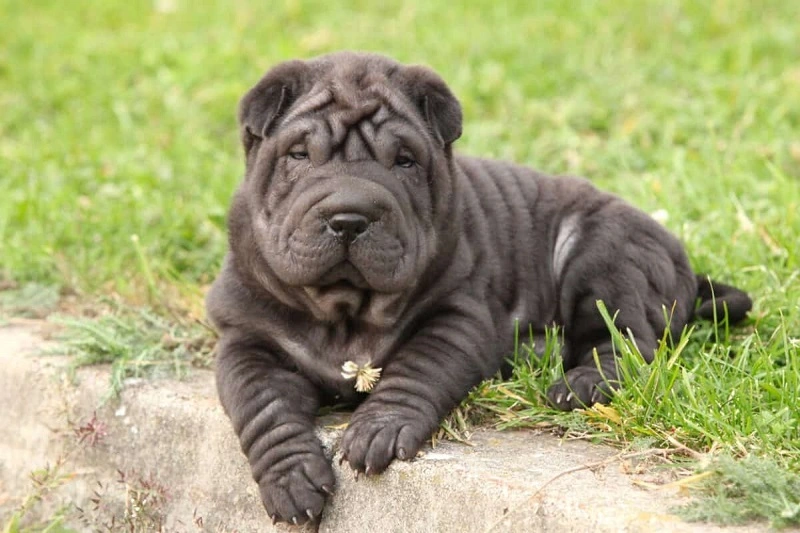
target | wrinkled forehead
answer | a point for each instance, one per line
(359, 118)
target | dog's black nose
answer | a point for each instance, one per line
(348, 226)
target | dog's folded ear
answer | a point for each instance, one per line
(436, 102)
(263, 105)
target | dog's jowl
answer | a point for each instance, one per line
(370, 264)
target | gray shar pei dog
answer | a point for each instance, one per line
(366, 256)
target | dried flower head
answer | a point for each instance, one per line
(366, 376)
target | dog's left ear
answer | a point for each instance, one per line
(436, 102)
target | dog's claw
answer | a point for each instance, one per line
(326, 489)
(310, 514)
(342, 459)
(274, 519)
(559, 398)
(402, 454)
(294, 520)
(357, 474)
(366, 471)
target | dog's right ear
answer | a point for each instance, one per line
(263, 105)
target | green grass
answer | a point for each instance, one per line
(119, 153)
(136, 343)
(708, 396)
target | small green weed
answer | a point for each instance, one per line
(30, 300)
(44, 482)
(745, 490)
(136, 342)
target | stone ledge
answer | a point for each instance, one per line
(175, 433)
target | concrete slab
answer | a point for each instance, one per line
(182, 465)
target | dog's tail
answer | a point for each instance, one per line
(718, 300)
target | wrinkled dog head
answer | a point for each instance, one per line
(348, 189)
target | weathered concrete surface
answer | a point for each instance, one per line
(175, 435)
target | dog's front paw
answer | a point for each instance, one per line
(295, 493)
(580, 387)
(373, 440)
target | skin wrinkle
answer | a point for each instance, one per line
(518, 214)
(267, 445)
(269, 448)
(313, 102)
(366, 131)
(397, 106)
(262, 395)
(500, 246)
(245, 368)
(267, 466)
(265, 418)
(258, 398)
(398, 392)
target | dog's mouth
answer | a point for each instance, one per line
(337, 301)
(344, 276)
(341, 292)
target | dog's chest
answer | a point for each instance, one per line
(343, 358)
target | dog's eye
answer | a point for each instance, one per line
(403, 161)
(298, 154)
